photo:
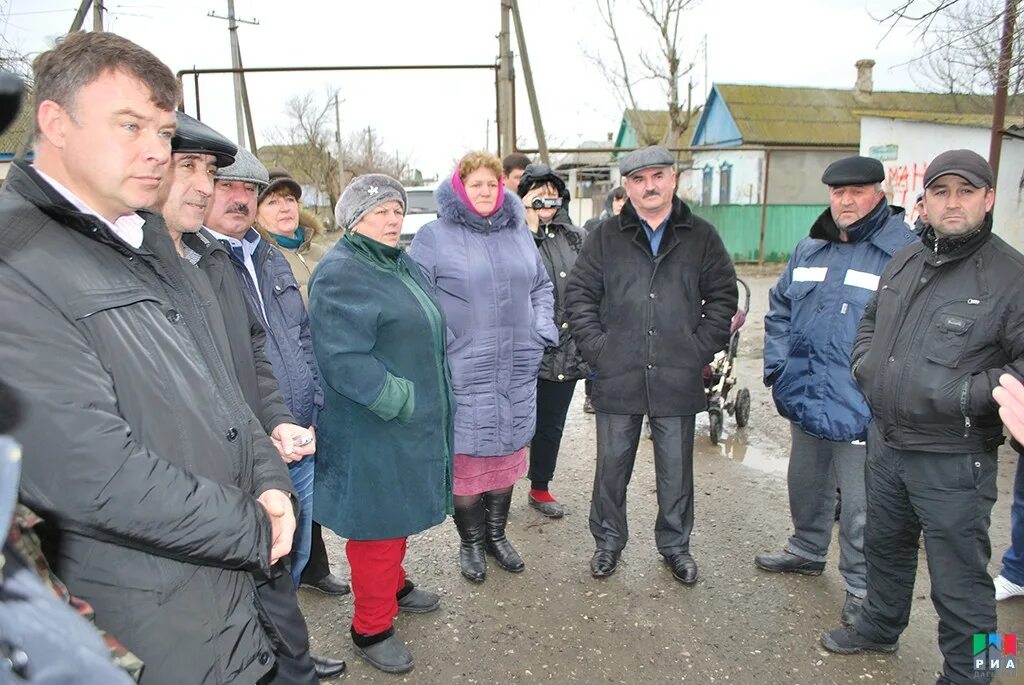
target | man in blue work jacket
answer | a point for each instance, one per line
(809, 332)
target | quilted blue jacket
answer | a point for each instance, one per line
(497, 299)
(814, 310)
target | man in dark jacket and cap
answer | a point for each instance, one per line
(809, 330)
(945, 324)
(161, 496)
(197, 152)
(649, 304)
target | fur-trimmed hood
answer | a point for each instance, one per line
(451, 208)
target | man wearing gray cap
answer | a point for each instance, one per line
(271, 292)
(649, 303)
(946, 322)
(813, 314)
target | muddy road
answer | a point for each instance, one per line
(554, 623)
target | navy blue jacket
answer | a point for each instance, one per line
(812, 321)
(289, 346)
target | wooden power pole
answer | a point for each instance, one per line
(241, 104)
(1002, 86)
(538, 127)
(97, 15)
(506, 85)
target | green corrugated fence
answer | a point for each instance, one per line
(740, 228)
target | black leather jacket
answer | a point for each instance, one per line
(934, 340)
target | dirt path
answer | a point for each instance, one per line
(554, 623)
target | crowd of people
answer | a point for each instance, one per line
(192, 387)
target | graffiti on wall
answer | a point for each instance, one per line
(903, 182)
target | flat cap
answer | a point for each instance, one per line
(362, 195)
(246, 168)
(853, 171)
(645, 158)
(966, 164)
(193, 135)
(280, 178)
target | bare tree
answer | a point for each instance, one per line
(365, 152)
(961, 50)
(960, 43)
(666, 67)
(306, 146)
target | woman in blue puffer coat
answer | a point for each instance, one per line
(484, 268)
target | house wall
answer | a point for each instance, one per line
(794, 178)
(747, 167)
(716, 125)
(906, 147)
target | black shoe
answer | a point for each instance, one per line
(846, 640)
(326, 667)
(415, 600)
(384, 651)
(851, 609)
(684, 568)
(497, 544)
(329, 585)
(470, 523)
(603, 563)
(785, 562)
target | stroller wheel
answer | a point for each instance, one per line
(742, 407)
(715, 424)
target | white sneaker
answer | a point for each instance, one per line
(1005, 589)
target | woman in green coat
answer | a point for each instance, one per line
(384, 460)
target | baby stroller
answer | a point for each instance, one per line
(720, 377)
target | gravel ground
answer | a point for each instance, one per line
(554, 623)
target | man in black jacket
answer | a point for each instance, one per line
(161, 494)
(197, 152)
(649, 303)
(946, 323)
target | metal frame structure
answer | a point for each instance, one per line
(196, 73)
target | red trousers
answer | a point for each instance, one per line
(377, 576)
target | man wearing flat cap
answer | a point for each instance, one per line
(814, 310)
(272, 294)
(649, 303)
(946, 322)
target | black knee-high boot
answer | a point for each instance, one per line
(470, 522)
(501, 549)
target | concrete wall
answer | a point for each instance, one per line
(906, 148)
(794, 178)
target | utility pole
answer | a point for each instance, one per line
(506, 86)
(538, 127)
(1002, 85)
(97, 15)
(236, 63)
(76, 23)
(30, 134)
(337, 142)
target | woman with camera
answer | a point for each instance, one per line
(546, 202)
(485, 271)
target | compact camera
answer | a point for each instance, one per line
(546, 203)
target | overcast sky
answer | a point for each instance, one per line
(434, 117)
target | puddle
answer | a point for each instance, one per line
(734, 445)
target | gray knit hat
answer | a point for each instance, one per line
(246, 168)
(362, 195)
